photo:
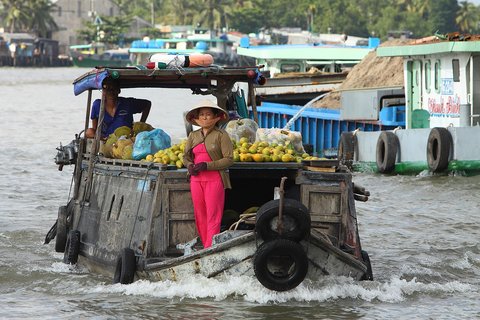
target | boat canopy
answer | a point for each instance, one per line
(207, 78)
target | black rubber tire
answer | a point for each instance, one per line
(125, 267)
(346, 149)
(296, 220)
(386, 152)
(72, 247)
(287, 258)
(62, 232)
(438, 149)
(368, 276)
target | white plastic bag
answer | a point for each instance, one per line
(240, 128)
(281, 136)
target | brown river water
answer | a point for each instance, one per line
(422, 232)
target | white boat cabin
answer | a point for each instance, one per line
(442, 82)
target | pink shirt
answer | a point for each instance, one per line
(201, 155)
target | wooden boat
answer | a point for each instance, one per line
(95, 55)
(134, 219)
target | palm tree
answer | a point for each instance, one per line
(215, 14)
(16, 15)
(416, 6)
(29, 16)
(311, 11)
(467, 17)
(41, 21)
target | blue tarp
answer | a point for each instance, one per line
(93, 81)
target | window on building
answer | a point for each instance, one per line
(428, 76)
(111, 11)
(456, 70)
(79, 9)
(290, 67)
(59, 11)
(437, 76)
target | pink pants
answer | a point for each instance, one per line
(208, 201)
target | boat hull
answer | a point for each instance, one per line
(111, 219)
(92, 62)
(234, 257)
(413, 151)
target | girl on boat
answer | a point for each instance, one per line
(208, 154)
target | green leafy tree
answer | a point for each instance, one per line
(111, 31)
(468, 17)
(248, 20)
(32, 16)
(442, 15)
(341, 16)
(15, 15)
(354, 17)
(41, 21)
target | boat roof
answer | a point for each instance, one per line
(436, 44)
(194, 78)
(87, 46)
(306, 52)
(166, 51)
(429, 48)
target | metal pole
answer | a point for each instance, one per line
(94, 149)
(251, 94)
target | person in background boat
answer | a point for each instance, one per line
(118, 110)
(208, 154)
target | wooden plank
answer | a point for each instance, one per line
(320, 169)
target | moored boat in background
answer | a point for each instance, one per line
(96, 55)
(285, 95)
(442, 111)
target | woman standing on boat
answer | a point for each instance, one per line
(118, 110)
(208, 154)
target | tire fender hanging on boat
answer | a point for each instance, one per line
(125, 267)
(295, 221)
(368, 276)
(438, 149)
(62, 232)
(72, 247)
(280, 264)
(386, 151)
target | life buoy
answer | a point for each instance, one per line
(280, 264)
(125, 267)
(295, 220)
(61, 236)
(368, 276)
(386, 152)
(168, 61)
(72, 247)
(438, 149)
(346, 149)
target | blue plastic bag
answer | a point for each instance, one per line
(149, 142)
